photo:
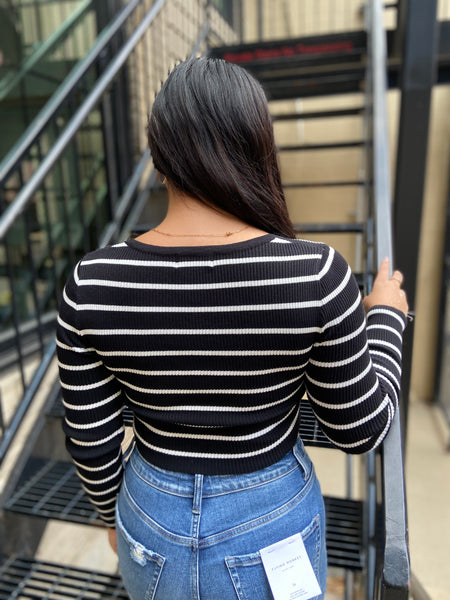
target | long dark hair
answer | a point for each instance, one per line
(210, 133)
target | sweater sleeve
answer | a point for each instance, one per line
(93, 405)
(353, 376)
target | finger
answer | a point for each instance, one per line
(398, 277)
(383, 271)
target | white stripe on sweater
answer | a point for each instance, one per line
(94, 424)
(88, 386)
(93, 405)
(215, 408)
(387, 311)
(99, 442)
(198, 263)
(216, 455)
(130, 285)
(344, 405)
(218, 438)
(357, 423)
(197, 373)
(184, 353)
(341, 384)
(213, 392)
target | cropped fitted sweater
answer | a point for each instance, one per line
(212, 349)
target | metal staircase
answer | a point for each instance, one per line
(365, 536)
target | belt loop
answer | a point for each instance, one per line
(198, 492)
(302, 458)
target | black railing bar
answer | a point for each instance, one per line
(112, 172)
(14, 156)
(34, 277)
(74, 174)
(50, 241)
(45, 48)
(28, 397)
(26, 194)
(124, 201)
(15, 316)
(363, 196)
(138, 205)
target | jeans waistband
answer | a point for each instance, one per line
(184, 484)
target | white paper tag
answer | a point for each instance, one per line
(289, 570)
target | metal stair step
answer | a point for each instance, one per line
(350, 81)
(319, 114)
(23, 578)
(301, 228)
(324, 146)
(317, 184)
(52, 490)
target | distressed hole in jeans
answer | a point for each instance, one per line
(140, 567)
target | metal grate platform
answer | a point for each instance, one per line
(310, 431)
(52, 491)
(22, 578)
(344, 533)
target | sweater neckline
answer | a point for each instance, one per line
(201, 250)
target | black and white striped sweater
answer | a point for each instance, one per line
(212, 348)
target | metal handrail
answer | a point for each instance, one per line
(381, 164)
(395, 576)
(28, 138)
(45, 48)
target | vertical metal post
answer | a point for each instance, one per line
(238, 22)
(417, 78)
(443, 342)
(399, 35)
(259, 17)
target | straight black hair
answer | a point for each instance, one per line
(210, 133)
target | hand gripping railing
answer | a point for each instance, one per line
(392, 576)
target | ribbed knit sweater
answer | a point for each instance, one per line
(212, 349)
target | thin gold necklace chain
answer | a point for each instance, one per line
(195, 235)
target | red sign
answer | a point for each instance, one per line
(288, 50)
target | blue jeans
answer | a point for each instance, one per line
(197, 537)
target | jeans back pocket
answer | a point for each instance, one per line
(247, 571)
